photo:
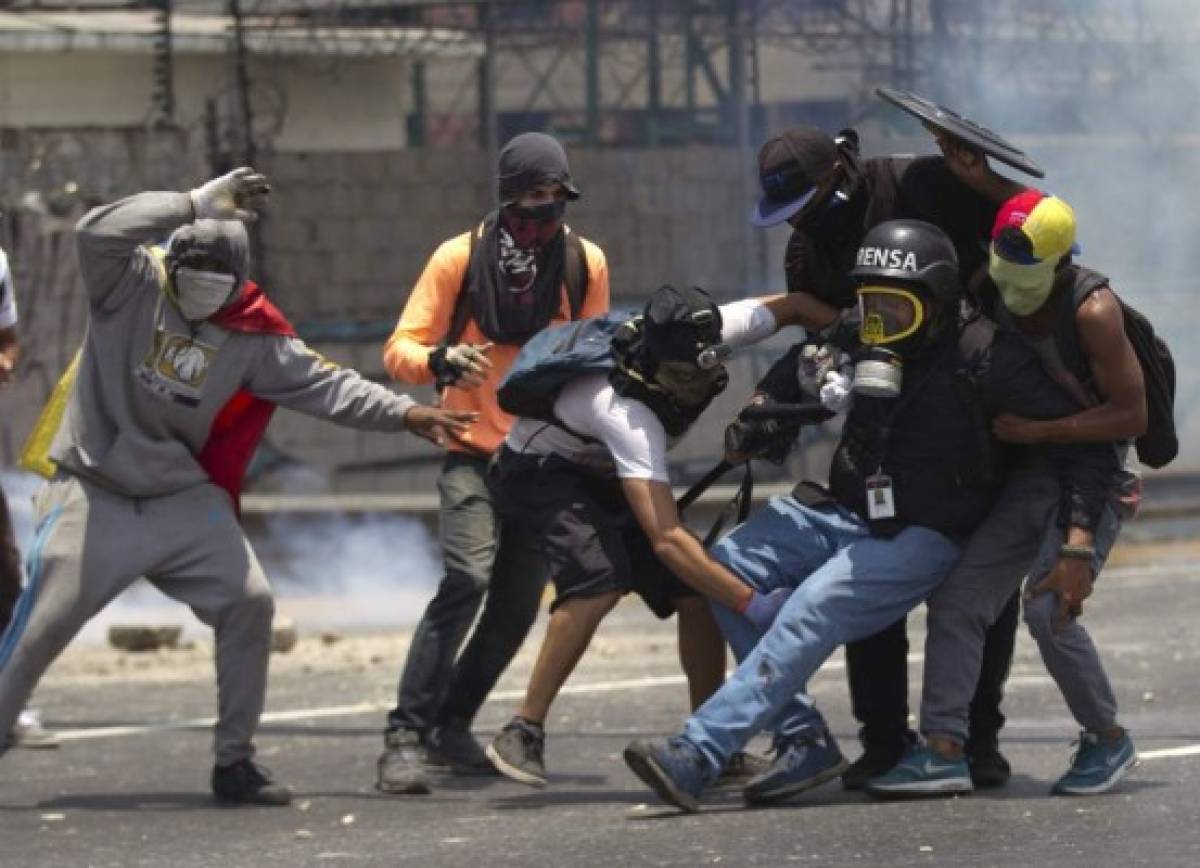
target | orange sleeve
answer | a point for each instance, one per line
(599, 294)
(426, 316)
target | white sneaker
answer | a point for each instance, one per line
(28, 732)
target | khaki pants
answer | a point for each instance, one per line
(92, 544)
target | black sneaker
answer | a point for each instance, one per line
(456, 749)
(988, 767)
(876, 760)
(517, 752)
(247, 783)
(399, 765)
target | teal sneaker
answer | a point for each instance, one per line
(1097, 765)
(923, 772)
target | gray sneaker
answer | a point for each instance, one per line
(517, 752)
(28, 732)
(455, 748)
(400, 771)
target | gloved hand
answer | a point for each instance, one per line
(812, 366)
(465, 363)
(235, 196)
(837, 393)
(762, 608)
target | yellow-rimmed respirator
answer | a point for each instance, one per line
(889, 315)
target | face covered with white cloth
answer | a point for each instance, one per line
(208, 261)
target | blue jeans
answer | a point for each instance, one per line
(848, 585)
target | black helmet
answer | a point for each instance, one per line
(679, 323)
(913, 252)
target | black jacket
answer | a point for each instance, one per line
(819, 257)
(935, 442)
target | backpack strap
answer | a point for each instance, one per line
(575, 272)
(462, 306)
(1087, 281)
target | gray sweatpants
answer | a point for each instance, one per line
(1018, 542)
(92, 544)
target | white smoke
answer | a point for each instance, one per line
(1120, 147)
(328, 572)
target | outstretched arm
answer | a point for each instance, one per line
(653, 506)
(802, 309)
(293, 376)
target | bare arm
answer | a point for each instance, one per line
(802, 309)
(654, 507)
(1118, 375)
(10, 352)
(970, 166)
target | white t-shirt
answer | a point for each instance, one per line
(628, 437)
(8, 295)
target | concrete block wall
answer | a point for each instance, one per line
(344, 238)
(347, 235)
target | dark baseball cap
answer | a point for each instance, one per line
(530, 160)
(791, 167)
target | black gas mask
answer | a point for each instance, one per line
(671, 358)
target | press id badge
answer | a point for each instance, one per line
(881, 501)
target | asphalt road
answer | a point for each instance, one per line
(129, 785)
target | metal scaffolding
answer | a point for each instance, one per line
(670, 72)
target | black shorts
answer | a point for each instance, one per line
(585, 530)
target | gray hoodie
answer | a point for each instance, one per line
(150, 384)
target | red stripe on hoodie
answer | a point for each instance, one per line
(239, 427)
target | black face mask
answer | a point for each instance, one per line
(548, 213)
(534, 226)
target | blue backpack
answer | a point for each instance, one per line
(554, 357)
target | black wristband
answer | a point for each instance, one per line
(1079, 553)
(444, 373)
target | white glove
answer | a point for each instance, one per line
(231, 197)
(836, 393)
(815, 362)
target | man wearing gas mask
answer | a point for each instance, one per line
(587, 469)
(482, 295)
(831, 197)
(1071, 317)
(913, 475)
(147, 437)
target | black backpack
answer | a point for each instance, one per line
(575, 276)
(1160, 444)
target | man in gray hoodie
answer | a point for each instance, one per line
(182, 364)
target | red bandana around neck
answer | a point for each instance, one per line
(239, 427)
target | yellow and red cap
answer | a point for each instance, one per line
(1034, 227)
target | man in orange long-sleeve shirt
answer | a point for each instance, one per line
(481, 296)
